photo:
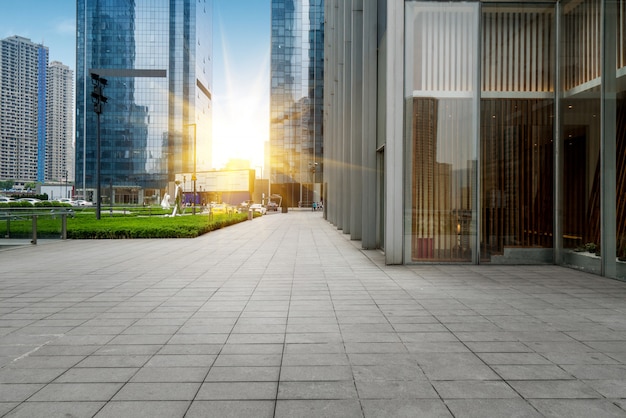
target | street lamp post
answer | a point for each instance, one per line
(98, 100)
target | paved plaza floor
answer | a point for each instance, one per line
(284, 316)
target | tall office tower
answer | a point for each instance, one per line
(157, 60)
(60, 123)
(296, 100)
(22, 109)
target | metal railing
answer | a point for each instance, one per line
(21, 215)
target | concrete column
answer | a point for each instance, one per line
(370, 82)
(346, 168)
(356, 178)
(330, 85)
(608, 163)
(394, 187)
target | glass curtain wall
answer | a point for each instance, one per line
(581, 132)
(441, 115)
(593, 55)
(516, 132)
(616, 104)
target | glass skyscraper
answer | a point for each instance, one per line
(296, 100)
(156, 56)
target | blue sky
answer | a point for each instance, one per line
(241, 37)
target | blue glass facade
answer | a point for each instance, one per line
(296, 100)
(156, 57)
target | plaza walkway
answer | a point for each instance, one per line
(283, 316)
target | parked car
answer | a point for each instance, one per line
(259, 208)
(66, 200)
(30, 200)
(6, 199)
(272, 206)
(81, 202)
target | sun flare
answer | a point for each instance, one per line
(241, 114)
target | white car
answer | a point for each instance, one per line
(30, 200)
(257, 207)
(81, 202)
(5, 199)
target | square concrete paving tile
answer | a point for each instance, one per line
(97, 375)
(318, 409)
(318, 373)
(492, 408)
(192, 349)
(381, 359)
(144, 409)
(116, 361)
(157, 391)
(56, 409)
(9, 375)
(474, 389)
(315, 360)
(578, 408)
(388, 372)
(17, 392)
(597, 372)
(405, 408)
(237, 391)
(251, 360)
(609, 388)
(554, 389)
(231, 409)
(317, 390)
(176, 360)
(314, 348)
(124, 350)
(45, 362)
(243, 374)
(170, 374)
(513, 358)
(499, 347)
(395, 389)
(76, 392)
(7, 406)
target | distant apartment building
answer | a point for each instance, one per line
(157, 59)
(23, 76)
(59, 124)
(296, 100)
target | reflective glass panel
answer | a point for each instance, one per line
(441, 108)
(516, 124)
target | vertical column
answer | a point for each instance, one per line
(608, 148)
(356, 183)
(369, 100)
(394, 133)
(346, 166)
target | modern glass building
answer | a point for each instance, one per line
(156, 57)
(296, 100)
(479, 131)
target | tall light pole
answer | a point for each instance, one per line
(98, 100)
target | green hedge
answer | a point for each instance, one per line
(86, 226)
(148, 227)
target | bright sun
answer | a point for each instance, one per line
(241, 116)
